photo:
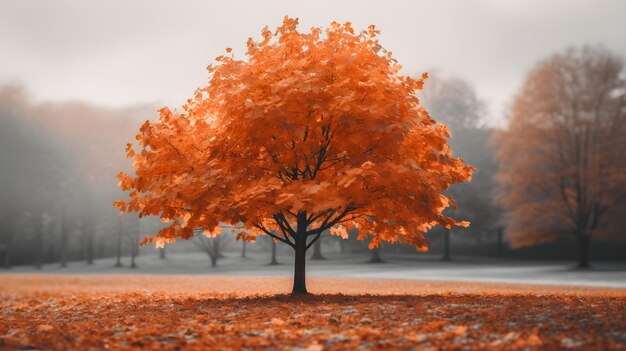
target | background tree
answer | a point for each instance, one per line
(162, 253)
(87, 236)
(270, 245)
(243, 249)
(119, 236)
(63, 240)
(58, 155)
(33, 168)
(454, 102)
(349, 243)
(375, 256)
(312, 132)
(38, 238)
(317, 249)
(563, 168)
(446, 246)
(212, 246)
(273, 259)
(133, 240)
(6, 227)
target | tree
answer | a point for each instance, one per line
(87, 232)
(311, 132)
(212, 246)
(350, 243)
(162, 253)
(133, 240)
(56, 153)
(317, 250)
(7, 236)
(118, 245)
(29, 181)
(500, 241)
(273, 261)
(38, 224)
(454, 102)
(446, 246)
(375, 256)
(63, 238)
(562, 160)
(270, 243)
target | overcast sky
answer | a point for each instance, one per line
(129, 52)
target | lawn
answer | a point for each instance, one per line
(79, 312)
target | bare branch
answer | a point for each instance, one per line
(286, 241)
(327, 223)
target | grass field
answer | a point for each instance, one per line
(78, 312)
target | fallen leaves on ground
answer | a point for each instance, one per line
(210, 312)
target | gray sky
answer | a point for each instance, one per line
(128, 52)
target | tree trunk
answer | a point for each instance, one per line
(273, 261)
(134, 241)
(243, 249)
(216, 251)
(342, 245)
(90, 248)
(299, 269)
(63, 240)
(299, 276)
(38, 241)
(132, 257)
(63, 257)
(100, 249)
(583, 256)
(500, 242)
(118, 249)
(162, 253)
(88, 235)
(375, 256)
(446, 245)
(317, 250)
(50, 254)
(8, 247)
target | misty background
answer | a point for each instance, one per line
(77, 80)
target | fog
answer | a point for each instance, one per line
(59, 162)
(122, 53)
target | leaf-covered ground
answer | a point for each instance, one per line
(208, 312)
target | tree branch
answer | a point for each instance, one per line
(280, 219)
(286, 241)
(313, 241)
(329, 223)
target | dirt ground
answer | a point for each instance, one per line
(81, 312)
